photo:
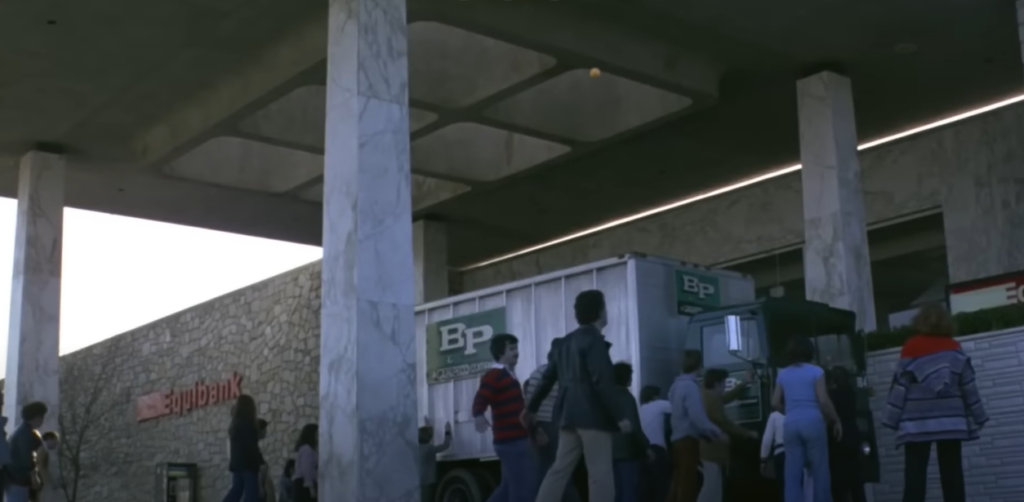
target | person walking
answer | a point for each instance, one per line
(545, 430)
(802, 395)
(934, 399)
(630, 451)
(773, 452)
(428, 459)
(500, 391)
(690, 424)
(304, 488)
(714, 454)
(845, 454)
(654, 416)
(582, 366)
(21, 473)
(246, 457)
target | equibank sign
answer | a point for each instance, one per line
(180, 402)
(987, 293)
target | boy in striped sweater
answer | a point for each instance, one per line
(500, 391)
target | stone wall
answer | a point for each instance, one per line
(991, 464)
(269, 333)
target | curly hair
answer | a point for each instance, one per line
(933, 320)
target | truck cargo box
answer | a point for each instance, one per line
(649, 301)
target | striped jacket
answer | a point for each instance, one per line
(935, 397)
(546, 413)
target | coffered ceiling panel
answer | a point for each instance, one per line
(577, 106)
(475, 152)
(455, 68)
(250, 165)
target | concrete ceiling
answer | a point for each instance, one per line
(212, 113)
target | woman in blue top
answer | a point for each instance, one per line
(801, 394)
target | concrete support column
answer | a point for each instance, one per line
(983, 207)
(837, 267)
(33, 340)
(430, 259)
(368, 416)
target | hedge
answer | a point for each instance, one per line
(968, 323)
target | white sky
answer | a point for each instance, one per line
(120, 273)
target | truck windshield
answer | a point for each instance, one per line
(834, 350)
(716, 344)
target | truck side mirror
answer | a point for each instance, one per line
(734, 333)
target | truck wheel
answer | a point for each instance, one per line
(460, 485)
(486, 481)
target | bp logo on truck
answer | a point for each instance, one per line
(696, 292)
(460, 347)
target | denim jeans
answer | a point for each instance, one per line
(518, 472)
(546, 458)
(627, 480)
(245, 487)
(806, 444)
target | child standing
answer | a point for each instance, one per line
(428, 459)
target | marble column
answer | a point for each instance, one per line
(837, 268)
(33, 339)
(430, 258)
(368, 416)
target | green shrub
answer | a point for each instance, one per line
(968, 323)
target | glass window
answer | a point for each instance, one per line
(716, 345)
(834, 350)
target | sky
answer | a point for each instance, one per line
(120, 273)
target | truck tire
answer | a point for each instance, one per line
(460, 485)
(487, 482)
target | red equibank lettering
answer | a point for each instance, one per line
(199, 395)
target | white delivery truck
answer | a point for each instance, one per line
(657, 308)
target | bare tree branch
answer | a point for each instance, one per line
(88, 398)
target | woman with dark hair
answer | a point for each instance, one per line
(801, 394)
(934, 399)
(306, 467)
(246, 458)
(844, 454)
(655, 414)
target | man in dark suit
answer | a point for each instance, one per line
(581, 365)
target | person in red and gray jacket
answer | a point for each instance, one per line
(500, 391)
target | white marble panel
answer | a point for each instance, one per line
(836, 259)
(430, 258)
(34, 336)
(368, 415)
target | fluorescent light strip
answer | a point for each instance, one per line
(742, 184)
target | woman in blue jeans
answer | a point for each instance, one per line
(246, 458)
(801, 393)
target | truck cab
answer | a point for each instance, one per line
(757, 334)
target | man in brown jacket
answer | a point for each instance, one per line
(715, 454)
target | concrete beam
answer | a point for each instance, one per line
(141, 193)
